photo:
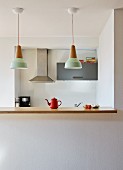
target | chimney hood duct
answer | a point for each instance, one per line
(42, 68)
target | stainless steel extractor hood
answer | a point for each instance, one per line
(42, 68)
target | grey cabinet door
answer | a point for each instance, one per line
(89, 71)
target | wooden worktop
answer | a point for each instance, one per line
(46, 110)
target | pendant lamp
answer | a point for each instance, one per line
(73, 62)
(18, 62)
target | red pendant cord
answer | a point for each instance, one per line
(72, 31)
(18, 29)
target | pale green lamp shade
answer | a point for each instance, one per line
(18, 63)
(73, 63)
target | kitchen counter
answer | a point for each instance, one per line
(60, 110)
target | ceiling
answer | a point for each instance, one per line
(49, 18)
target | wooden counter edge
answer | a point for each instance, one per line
(56, 111)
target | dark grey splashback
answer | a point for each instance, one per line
(89, 71)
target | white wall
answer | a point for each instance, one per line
(7, 91)
(105, 86)
(61, 142)
(69, 92)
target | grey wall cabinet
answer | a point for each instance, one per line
(89, 71)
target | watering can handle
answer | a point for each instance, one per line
(60, 102)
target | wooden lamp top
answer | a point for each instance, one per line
(19, 52)
(73, 52)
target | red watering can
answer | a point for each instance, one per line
(54, 103)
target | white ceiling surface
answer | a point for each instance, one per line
(49, 18)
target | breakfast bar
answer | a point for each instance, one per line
(60, 110)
